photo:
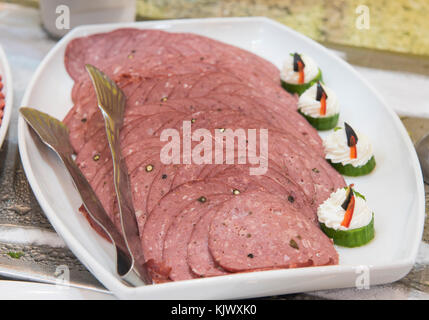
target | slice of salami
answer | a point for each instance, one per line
(257, 231)
(199, 258)
(175, 251)
(162, 216)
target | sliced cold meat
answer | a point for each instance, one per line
(259, 231)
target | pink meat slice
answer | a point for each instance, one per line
(95, 153)
(236, 61)
(164, 213)
(272, 182)
(139, 134)
(199, 258)
(122, 46)
(257, 231)
(189, 173)
(160, 67)
(179, 233)
(148, 195)
(173, 89)
(300, 162)
(303, 164)
(100, 47)
(105, 190)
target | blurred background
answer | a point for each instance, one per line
(398, 26)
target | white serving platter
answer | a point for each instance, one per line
(8, 92)
(394, 190)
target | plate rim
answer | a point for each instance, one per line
(19, 290)
(8, 84)
(110, 280)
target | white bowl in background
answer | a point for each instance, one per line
(8, 92)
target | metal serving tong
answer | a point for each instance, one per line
(111, 101)
(55, 135)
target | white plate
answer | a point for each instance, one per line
(21, 290)
(394, 190)
(8, 92)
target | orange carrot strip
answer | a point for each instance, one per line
(349, 212)
(323, 105)
(353, 152)
(301, 72)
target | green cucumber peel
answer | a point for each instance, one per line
(300, 88)
(323, 123)
(351, 171)
(351, 238)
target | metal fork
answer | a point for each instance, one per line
(111, 101)
(55, 135)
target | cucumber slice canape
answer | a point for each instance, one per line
(300, 88)
(351, 238)
(347, 234)
(348, 157)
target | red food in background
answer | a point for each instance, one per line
(2, 101)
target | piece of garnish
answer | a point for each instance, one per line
(349, 206)
(359, 195)
(349, 213)
(96, 157)
(352, 140)
(149, 168)
(298, 66)
(202, 199)
(349, 193)
(321, 96)
(250, 255)
(164, 99)
(15, 255)
(235, 191)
